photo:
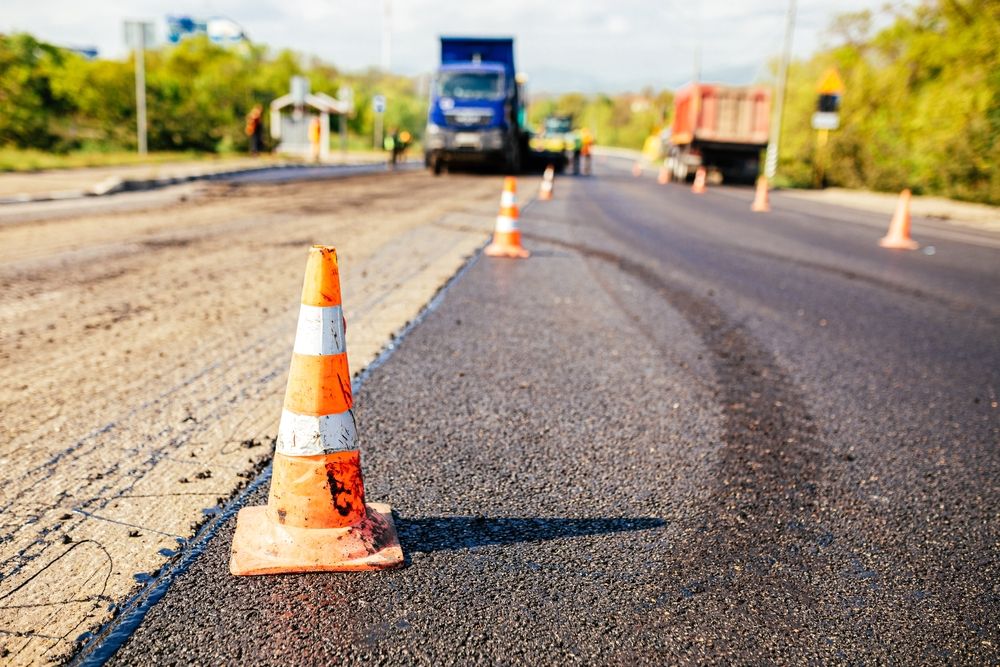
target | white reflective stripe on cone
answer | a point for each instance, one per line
(305, 435)
(508, 199)
(505, 223)
(320, 330)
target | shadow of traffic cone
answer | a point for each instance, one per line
(698, 187)
(664, 176)
(760, 200)
(637, 169)
(316, 519)
(506, 236)
(548, 181)
(898, 236)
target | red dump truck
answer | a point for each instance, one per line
(723, 128)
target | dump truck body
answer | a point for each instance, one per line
(723, 128)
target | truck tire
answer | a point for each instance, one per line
(681, 172)
(436, 165)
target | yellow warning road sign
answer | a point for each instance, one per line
(831, 83)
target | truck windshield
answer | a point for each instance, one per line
(558, 125)
(470, 85)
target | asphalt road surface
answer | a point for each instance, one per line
(679, 433)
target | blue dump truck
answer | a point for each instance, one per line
(476, 113)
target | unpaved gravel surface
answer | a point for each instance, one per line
(144, 355)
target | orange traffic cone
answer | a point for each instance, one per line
(698, 187)
(760, 200)
(899, 229)
(548, 180)
(637, 169)
(316, 518)
(506, 236)
(664, 176)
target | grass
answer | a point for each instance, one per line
(30, 159)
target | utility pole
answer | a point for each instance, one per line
(771, 166)
(697, 47)
(135, 35)
(697, 62)
(378, 106)
(386, 35)
(346, 95)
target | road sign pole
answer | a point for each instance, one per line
(822, 138)
(139, 32)
(378, 106)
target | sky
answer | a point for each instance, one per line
(583, 45)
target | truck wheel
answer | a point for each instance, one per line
(436, 166)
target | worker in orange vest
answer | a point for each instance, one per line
(255, 129)
(315, 133)
(587, 142)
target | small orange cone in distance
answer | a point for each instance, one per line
(760, 200)
(506, 236)
(664, 176)
(899, 229)
(637, 169)
(548, 180)
(698, 187)
(316, 518)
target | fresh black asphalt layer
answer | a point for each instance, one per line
(678, 433)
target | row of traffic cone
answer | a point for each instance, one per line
(898, 236)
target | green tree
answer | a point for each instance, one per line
(921, 107)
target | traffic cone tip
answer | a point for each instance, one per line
(321, 286)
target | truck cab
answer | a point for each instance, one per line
(474, 115)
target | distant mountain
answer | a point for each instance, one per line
(557, 81)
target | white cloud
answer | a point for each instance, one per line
(617, 25)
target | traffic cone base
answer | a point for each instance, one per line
(507, 244)
(264, 546)
(898, 243)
